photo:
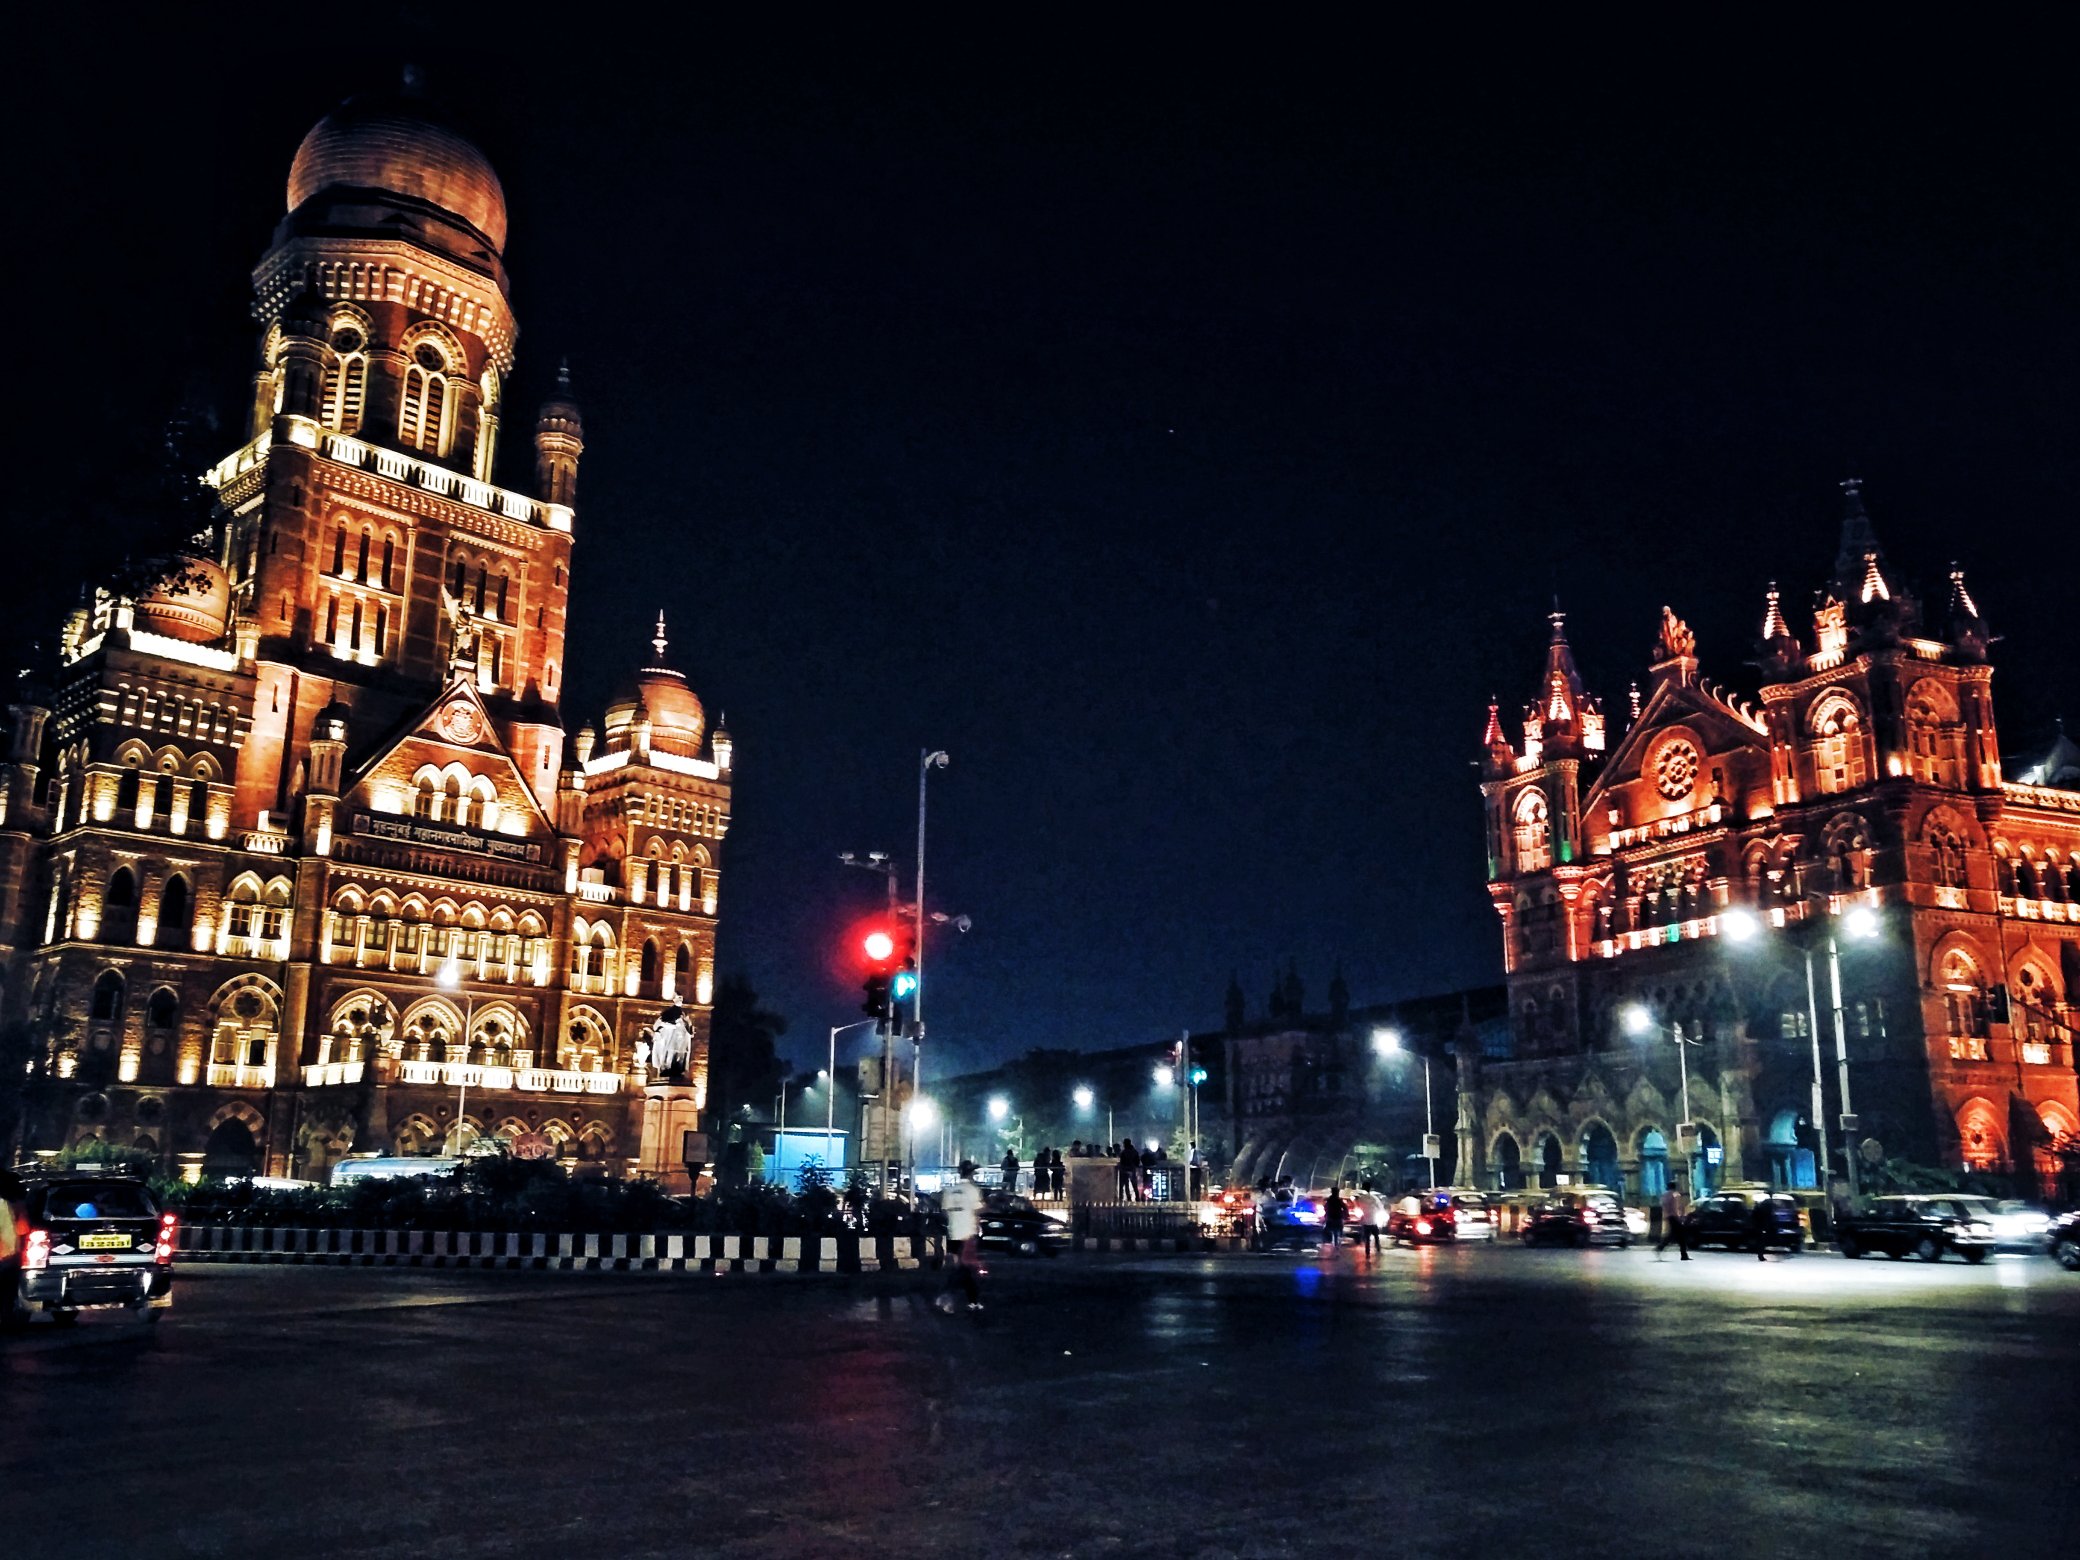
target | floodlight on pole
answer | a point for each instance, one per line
(1083, 1097)
(999, 1108)
(1386, 1042)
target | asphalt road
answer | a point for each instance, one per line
(1439, 1403)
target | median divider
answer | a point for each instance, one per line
(541, 1252)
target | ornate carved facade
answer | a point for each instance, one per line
(1664, 896)
(293, 860)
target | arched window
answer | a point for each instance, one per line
(452, 805)
(163, 1011)
(682, 967)
(122, 891)
(176, 912)
(1964, 995)
(422, 415)
(650, 967)
(361, 564)
(346, 381)
(425, 797)
(1837, 746)
(1534, 835)
(1945, 856)
(389, 561)
(339, 550)
(1935, 734)
(108, 998)
(238, 914)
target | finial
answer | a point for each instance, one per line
(658, 642)
(1635, 698)
(563, 375)
(1559, 621)
(414, 79)
(1852, 493)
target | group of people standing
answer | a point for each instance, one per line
(1050, 1176)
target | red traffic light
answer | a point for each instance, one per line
(879, 946)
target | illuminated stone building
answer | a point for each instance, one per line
(1670, 875)
(294, 860)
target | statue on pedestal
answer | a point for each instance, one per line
(671, 1044)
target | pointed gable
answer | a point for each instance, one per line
(445, 778)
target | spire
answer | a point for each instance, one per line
(1492, 737)
(1961, 603)
(657, 640)
(1773, 624)
(1635, 698)
(1560, 694)
(1860, 560)
(563, 376)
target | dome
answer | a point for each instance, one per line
(392, 143)
(192, 603)
(662, 696)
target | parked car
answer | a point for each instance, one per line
(1012, 1223)
(1925, 1226)
(1423, 1217)
(1578, 1219)
(1727, 1218)
(89, 1239)
(2063, 1238)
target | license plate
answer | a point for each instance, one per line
(106, 1240)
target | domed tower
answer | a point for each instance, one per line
(383, 301)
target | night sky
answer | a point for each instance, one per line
(1185, 430)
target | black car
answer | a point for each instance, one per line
(2063, 1239)
(1012, 1223)
(1927, 1227)
(88, 1240)
(1578, 1219)
(1729, 1219)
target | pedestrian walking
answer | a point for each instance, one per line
(1332, 1217)
(1057, 1175)
(1129, 1171)
(1368, 1229)
(1762, 1224)
(961, 1203)
(1672, 1226)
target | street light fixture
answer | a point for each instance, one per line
(999, 1108)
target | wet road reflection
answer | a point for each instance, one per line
(1445, 1401)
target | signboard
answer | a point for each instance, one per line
(447, 836)
(1433, 1146)
(533, 1145)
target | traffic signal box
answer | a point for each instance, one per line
(891, 970)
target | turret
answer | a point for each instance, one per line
(559, 439)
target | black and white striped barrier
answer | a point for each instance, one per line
(556, 1253)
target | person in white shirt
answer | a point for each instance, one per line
(961, 1202)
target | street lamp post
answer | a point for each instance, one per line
(1387, 1042)
(1862, 922)
(927, 761)
(830, 1102)
(1638, 1020)
(449, 978)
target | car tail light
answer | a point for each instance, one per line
(36, 1250)
(1422, 1226)
(169, 1228)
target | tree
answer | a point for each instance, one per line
(743, 1066)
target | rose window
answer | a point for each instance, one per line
(1675, 770)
